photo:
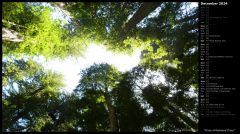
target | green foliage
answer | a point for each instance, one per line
(103, 23)
(11, 12)
(105, 99)
(33, 90)
(42, 35)
(41, 122)
(99, 77)
(131, 115)
(100, 99)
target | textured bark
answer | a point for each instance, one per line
(141, 13)
(11, 35)
(112, 114)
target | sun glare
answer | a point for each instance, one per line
(71, 67)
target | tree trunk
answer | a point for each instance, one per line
(112, 113)
(170, 109)
(141, 13)
(185, 118)
(60, 6)
(11, 35)
(113, 119)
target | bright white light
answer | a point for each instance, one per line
(190, 6)
(194, 4)
(71, 67)
(99, 54)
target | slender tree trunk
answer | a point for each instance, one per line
(61, 7)
(13, 24)
(141, 13)
(11, 35)
(185, 118)
(112, 114)
(171, 110)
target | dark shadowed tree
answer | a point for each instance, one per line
(102, 78)
(28, 91)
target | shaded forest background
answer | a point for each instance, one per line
(105, 98)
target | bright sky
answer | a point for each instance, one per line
(71, 67)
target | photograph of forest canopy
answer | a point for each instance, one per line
(158, 94)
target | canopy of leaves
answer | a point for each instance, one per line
(159, 94)
(27, 93)
(42, 35)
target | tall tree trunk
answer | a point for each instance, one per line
(184, 117)
(61, 7)
(113, 119)
(112, 113)
(11, 35)
(142, 12)
(170, 109)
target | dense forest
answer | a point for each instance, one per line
(105, 98)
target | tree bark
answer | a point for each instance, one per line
(112, 113)
(142, 12)
(11, 35)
